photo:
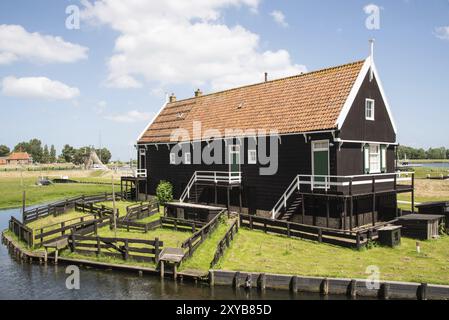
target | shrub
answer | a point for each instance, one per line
(164, 192)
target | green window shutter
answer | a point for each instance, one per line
(366, 160)
(383, 158)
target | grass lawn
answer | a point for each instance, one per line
(255, 251)
(51, 220)
(422, 172)
(11, 191)
(105, 259)
(203, 256)
(120, 205)
(170, 237)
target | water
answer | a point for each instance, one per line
(22, 281)
(444, 165)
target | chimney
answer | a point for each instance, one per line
(172, 98)
(266, 76)
(198, 93)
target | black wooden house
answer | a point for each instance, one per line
(335, 146)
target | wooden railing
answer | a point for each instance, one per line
(329, 185)
(143, 250)
(226, 177)
(141, 211)
(224, 243)
(95, 210)
(191, 244)
(295, 230)
(21, 231)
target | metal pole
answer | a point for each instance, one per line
(114, 210)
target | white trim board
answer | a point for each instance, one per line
(367, 66)
(154, 119)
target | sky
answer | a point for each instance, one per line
(100, 79)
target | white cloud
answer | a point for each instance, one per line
(279, 18)
(38, 87)
(100, 107)
(184, 42)
(442, 32)
(16, 43)
(130, 117)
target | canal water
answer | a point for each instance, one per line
(22, 281)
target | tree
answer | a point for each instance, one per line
(33, 147)
(68, 152)
(4, 151)
(104, 155)
(164, 192)
(52, 154)
(45, 155)
(81, 155)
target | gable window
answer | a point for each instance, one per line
(187, 158)
(172, 158)
(252, 157)
(369, 109)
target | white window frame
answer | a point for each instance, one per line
(373, 108)
(316, 148)
(252, 156)
(172, 158)
(142, 153)
(187, 158)
(234, 149)
(373, 169)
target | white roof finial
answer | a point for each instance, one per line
(371, 75)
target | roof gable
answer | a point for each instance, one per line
(298, 104)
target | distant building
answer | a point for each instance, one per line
(17, 158)
(3, 161)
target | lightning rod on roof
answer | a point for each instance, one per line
(371, 41)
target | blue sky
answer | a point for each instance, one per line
(119, 64)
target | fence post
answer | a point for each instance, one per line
(62, 228)
(126, 249)
(358, 240)
(72, 238)
(190, 247)
(320, 235)
(98, 246)
(96, 228)
(156, 250)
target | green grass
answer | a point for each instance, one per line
(422, 172)
(11, 191)
(170, 237)
(105, 259)
(120, 205)
(203, 256)
(257, 252)
(51, 220)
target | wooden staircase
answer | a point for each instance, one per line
(293, 208)
(196, 193)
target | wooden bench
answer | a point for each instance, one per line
(57, 245)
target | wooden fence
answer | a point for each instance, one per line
(22, 232)
(83, 225)
(225, 243)
(96, 210)
(191, 244)
(295, 230)
(141, 211)
(60, 207)
(181, 224)
(136, 249)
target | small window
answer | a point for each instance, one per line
(187, 158)
(172, 158)
(369, 109)
(252, 157)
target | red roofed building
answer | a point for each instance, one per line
(16, 158)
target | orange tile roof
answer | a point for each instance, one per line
(303, 103)
(19, 156)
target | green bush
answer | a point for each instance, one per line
(164, 192)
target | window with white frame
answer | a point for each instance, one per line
(172, 158)
(369, 109)
(374, 158)
(252, 157)
(187, 158)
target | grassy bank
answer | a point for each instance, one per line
(258, 252)
(11, 186)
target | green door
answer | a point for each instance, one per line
(235, 163)
(320, 162)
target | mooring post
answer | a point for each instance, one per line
(422, 291)
(294, 284)
(324, 290)
(262, 282)
(353, 289)
(162, 269)
(236, 280)
(385, 291)
(211, 278)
